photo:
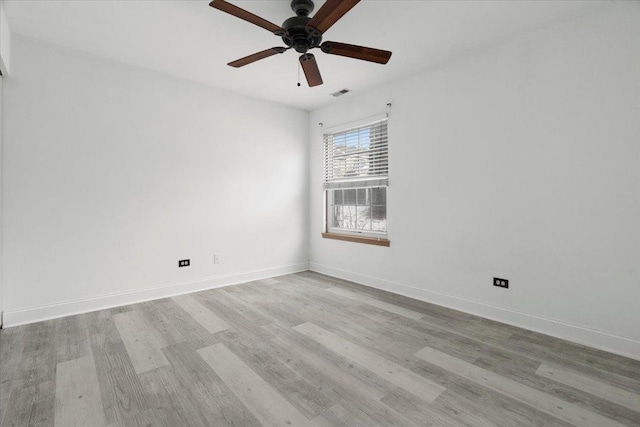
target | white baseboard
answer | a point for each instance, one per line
(601, 340)
(69, 308)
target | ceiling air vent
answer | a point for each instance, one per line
(340, 93)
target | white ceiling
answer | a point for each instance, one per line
(189, 39)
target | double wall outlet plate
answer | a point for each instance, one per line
(183, 263)
(501, 283)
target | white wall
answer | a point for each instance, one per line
(521, 162)
(112, 174)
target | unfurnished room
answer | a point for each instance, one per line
(320, 213)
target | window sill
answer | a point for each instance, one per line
(358, 239)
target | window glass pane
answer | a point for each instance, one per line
(362, 196)
(337, 216)
(379, 196)
(350, 197)
(379, 212)
(348, 217)
(379, 225)
(337, 197)
(379, 218)
(364, 218)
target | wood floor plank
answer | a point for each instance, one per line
(78, 401)
(270, 363)
(367, 334)
(464, 399)
(356, 387)
(321, 365)
(120, 388)
(11, 343)
(608, 377)
(419, 331)
(31, 405)
(502, 353)
(331, 417)
(245, 320)
(590, 385)
(269, 407)
(192, 333)
(201, 314)
(171, 393)
(240, 320)
(523, 415)
(165, 395)
(551, 348)
(156, 314)
(208, 396)
(270, 280)
(71, 339)
(390, 371)
(143, 348)
(249, 310)
(469, 401)
(424, 414)
(307, 277)
(148, 418)
(562, 410)
(523, 371)
(277, 301)
(302, 292)
(377, 303)
(32, 400)
(368, 414)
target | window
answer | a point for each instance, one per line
(356, 168)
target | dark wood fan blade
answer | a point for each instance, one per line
(311, 70)
(257, 56)
(357, 52)
(247, 16)
(328, 14)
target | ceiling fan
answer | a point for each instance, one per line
(304, 33)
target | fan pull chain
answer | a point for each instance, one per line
(298, 73)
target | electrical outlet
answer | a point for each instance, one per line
(216, 258)
(501, 283)
(183, 263)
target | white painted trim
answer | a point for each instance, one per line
(84, 305)
(622, 346)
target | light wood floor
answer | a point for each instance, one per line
(304, 349)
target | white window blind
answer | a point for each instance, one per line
(357, 157)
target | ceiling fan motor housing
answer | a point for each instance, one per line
(297, 35)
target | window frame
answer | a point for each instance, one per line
(361, 181)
